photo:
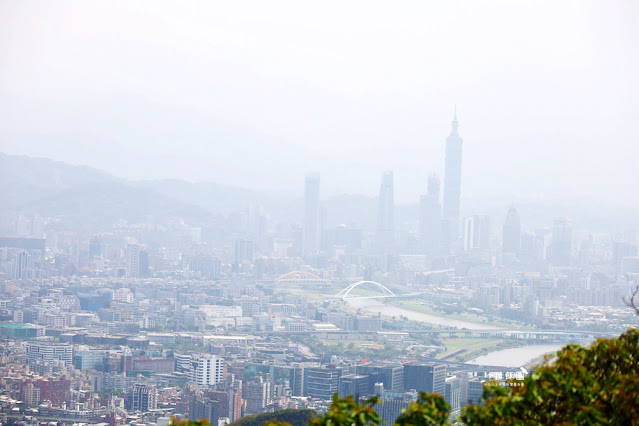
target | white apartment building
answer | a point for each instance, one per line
(206, 370)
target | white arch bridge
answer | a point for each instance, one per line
(346, 293)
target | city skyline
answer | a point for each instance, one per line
(217, 211)
(238, 103)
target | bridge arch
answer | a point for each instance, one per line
(344, 294)
(301, 277)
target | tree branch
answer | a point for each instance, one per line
(630, 302)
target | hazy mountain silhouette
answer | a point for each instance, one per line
(81, 195)
(91, 198)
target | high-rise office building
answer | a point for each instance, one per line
(224, 399)
(621, 250)
(452, 190)
(89, 359)
(204, 408)
(133, 260)
(259, 394)
(321, 382)
(386, 214)
(476, 232)
(391, 404)
(21, 265)
(293, 374)
(144, 264)
(561, 247)
(482, 232)
(511, 242)
(453, 394)
(95, 247)
(312, 229)
(243, 251)
(126, 360)
(430, 212)
(391, 375)
(353, 384)
(142, 398)
(425, 377)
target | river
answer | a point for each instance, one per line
(375, 306)
(515, 357)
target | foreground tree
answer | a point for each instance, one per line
(429, 409)
(595, 385)
(201, 422)
(347, 411)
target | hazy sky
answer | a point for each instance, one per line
(259, 93)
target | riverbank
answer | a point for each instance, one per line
(464, 349)
(516, 357)
(390, 310)
(427, 308)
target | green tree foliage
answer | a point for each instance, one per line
(347, 411)
(429, 410)
(201, 422)
(595, 385)
(279, 418)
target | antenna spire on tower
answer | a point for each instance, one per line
(455, 123)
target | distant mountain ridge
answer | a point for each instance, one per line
(94, 199)
(79, 194)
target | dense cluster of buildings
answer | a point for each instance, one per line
(152, 319)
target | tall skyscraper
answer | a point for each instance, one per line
(243, 250)
(430, 213)
(476, 232)
(452, 189)
(386, 214)
(561, 248)
(21, 265)
(133, 260)
(95, 247)
(312, 231)
(511, 242)
(144, 263)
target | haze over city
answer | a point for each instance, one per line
(258, 96)
(229, 213)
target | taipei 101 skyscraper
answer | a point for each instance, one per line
(452, 190)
